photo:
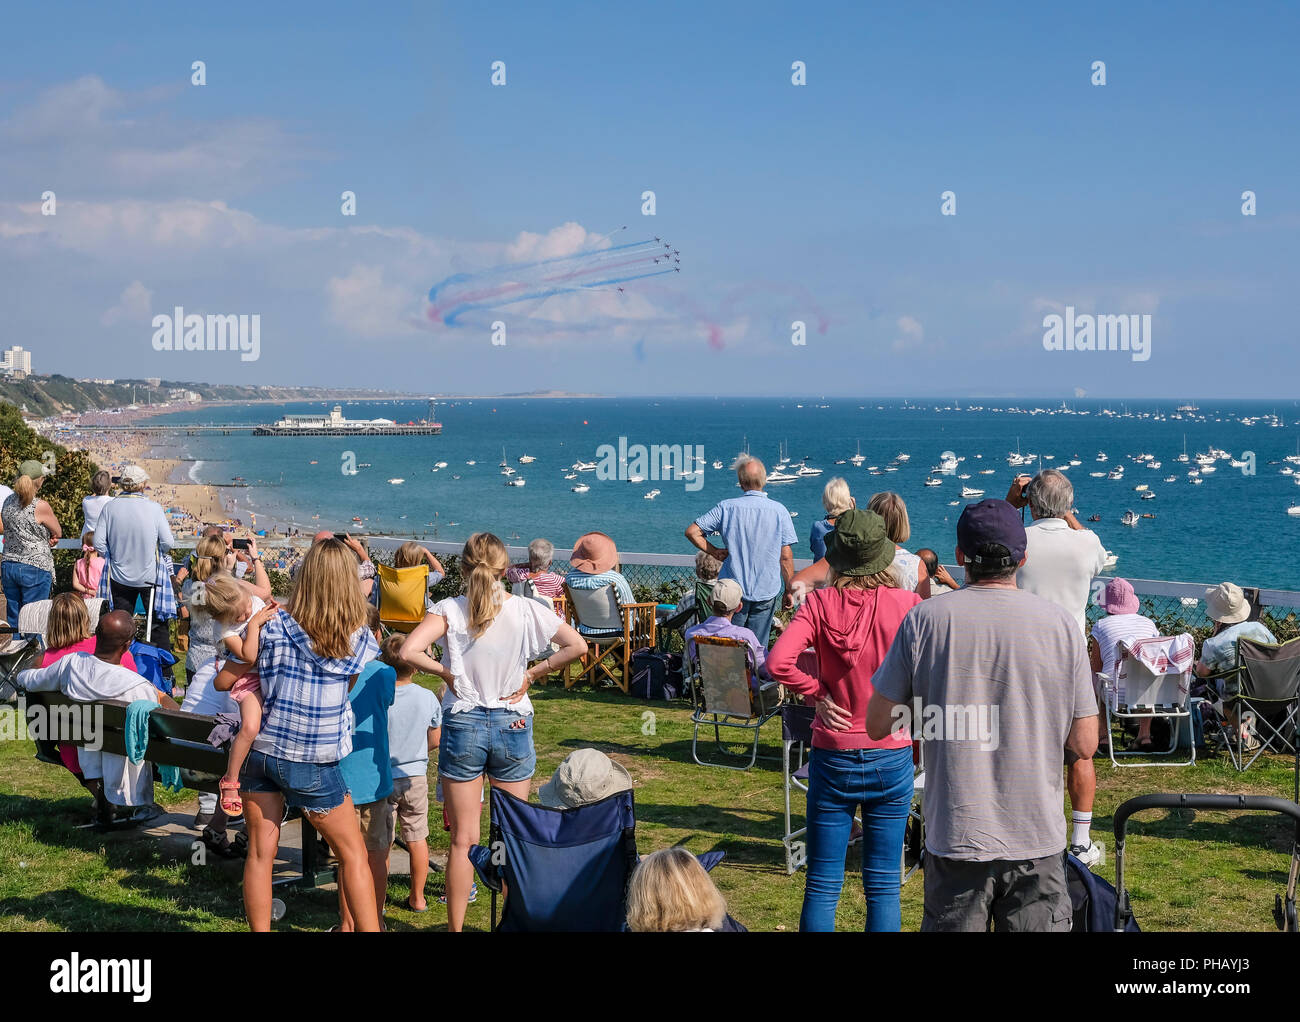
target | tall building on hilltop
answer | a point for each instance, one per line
(16, 363)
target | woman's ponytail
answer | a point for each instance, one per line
(483, 561)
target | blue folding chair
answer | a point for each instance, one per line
(563, 870)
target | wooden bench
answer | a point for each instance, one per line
(175, 739)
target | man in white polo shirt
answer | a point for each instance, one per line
(1061, 560)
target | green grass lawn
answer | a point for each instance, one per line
(1202, 871)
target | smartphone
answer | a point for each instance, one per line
(342, 537)
(116, 480)
(240, 544)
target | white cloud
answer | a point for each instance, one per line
(559, 241)
(134, 308)
(910, 333)
(365, 305)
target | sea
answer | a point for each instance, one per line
(1233, 526)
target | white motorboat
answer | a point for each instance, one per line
(805, 470)
(932, 481)
(526, 459)
(571, 475)
(1116, 473)
(651, 495)
(900, 456)
(507, 471)
(717, 464)
(1110, 562)
(1130, 518)
(777, 476)
(471, 462)
(636, 479)
(1101, 456)
(580, 488)
(397, 481)
(584, 466)
(1097, 475)
(1139, 487)
(1148, 496)
(970, 491)
(515, 482)
(1294, 509)
(1208, 468)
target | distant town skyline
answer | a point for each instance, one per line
(965, 203)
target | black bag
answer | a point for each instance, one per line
(656, 675)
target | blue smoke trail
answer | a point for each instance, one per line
(452, 317)
(459, 278)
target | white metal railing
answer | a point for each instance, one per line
(1142, 587)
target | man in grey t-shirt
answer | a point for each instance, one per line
(996, 682)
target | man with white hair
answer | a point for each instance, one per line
(758, 534)
(1061, 560)
(132, 534)
(541, 552)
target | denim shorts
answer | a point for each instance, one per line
(492, 742)
(314, 787)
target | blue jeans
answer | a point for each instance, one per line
(313, 787)
(497, 742)
(756, 615)
(23, 584)
(880, 781)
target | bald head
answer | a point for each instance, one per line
(751, 474)
(322, 536)
(113, 635)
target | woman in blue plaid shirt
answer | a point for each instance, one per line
(309, 657)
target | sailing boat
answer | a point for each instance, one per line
(858, 459)
(1183, 457)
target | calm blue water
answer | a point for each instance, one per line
(1233, 526)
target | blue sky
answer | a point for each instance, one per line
(818, 203)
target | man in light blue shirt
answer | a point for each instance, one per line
(758, 534)
(132, 534)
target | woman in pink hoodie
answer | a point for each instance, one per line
(850, 624)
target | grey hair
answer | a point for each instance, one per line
(750, 469)
(836, 498)
(132, 487)
(540, 554)
(1050, 494)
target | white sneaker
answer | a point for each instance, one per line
(1091, 855)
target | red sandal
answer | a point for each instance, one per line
(231, 805)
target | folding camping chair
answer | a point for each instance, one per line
(402, 595)
(19, 650)
(561, 870)
(1140, 692)
(721, 696)
(1265, 685)
(612, 629)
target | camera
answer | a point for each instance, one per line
(240, 544)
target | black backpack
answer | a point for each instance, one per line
(656, 675)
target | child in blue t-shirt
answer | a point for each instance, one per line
(414, 730)
(366, 769)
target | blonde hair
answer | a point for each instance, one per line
(25, 489)
(209, 558)
(68, 623)
(886, 578)
(893, 510)
(408, 555)
(670, 892)
(327, 601)
(222, 596)
(483, 561)
(836, 498)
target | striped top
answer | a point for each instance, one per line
(1113, 629)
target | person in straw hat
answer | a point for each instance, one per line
(1226, 605)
